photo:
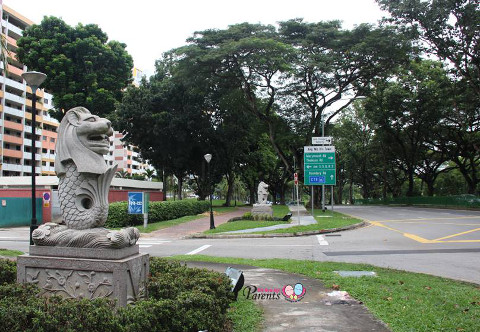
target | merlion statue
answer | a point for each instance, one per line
(84, 182)
(262, 193)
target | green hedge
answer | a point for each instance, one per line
(180, 299)
(466, 200)
(158, 211)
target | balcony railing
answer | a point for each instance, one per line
(12, 167)
(28, 129)
(15, 98)
(13, 111)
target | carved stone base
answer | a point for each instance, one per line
(262, 209)
(123, 279)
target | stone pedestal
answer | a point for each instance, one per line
(262, 209)
(119, 274)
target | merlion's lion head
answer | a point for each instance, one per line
(83, 138)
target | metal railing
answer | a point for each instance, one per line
(466, 200)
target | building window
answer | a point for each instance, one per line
(44, 138)
(52, 139)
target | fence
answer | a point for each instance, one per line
(17, 211)
(469, 201)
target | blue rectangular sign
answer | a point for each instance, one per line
(135, 203)
(317, 179)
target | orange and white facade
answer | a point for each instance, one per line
(16, 110)
(16, 116)
(125, 156)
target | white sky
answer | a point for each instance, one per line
(151, 27)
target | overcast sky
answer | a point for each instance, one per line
(151, 27)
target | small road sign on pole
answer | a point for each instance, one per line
(326, 140)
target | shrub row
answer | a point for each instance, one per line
(180, 299)
(158, 211)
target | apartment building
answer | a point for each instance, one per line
(16, 116)
(125, 156)
(16, 110)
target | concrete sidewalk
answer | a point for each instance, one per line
(319, 310)
(194, 226)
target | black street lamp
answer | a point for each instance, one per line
(34, 79)
(208, 157)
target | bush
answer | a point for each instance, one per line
(8, 271)
(180, 299)
(201, 297)
(158, 211)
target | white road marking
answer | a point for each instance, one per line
(321, 240)
(196, 251)
(148, 244)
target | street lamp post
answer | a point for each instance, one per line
(208, 157)
(34, 80)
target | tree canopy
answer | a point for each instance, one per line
(82, 66)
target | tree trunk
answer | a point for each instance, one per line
(230, 183)
(411, 183)
(165, 187)
(350, 191)
(180, 187)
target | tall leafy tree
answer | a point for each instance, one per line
(170, 124)
(82, 66)
(405, 109)
(247, 57)
(448, 28)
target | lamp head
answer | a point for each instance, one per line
(208, 157)
(34, 78)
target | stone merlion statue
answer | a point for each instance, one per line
(262, 193)
(84, 182)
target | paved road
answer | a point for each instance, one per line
(439, 242)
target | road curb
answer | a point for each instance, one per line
(271, 235)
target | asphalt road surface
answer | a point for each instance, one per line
(433, 241)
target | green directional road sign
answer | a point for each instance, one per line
(319, 165)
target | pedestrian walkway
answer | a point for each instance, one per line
(194, 226)
(320, 309)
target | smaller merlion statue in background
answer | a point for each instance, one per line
(262, 192)
(262, 208)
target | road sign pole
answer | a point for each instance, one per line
(312, 203)
(331, 188)
(323, 198)
(298, 205)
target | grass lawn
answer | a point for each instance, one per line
(169, 223)
(325, 220)
(405, 301)
(278, 211)
(246, 315)
(10, 253)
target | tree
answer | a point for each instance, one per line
(247, 57)
(406, 109)
(448, 28)
(82, 66)
(170, 124)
